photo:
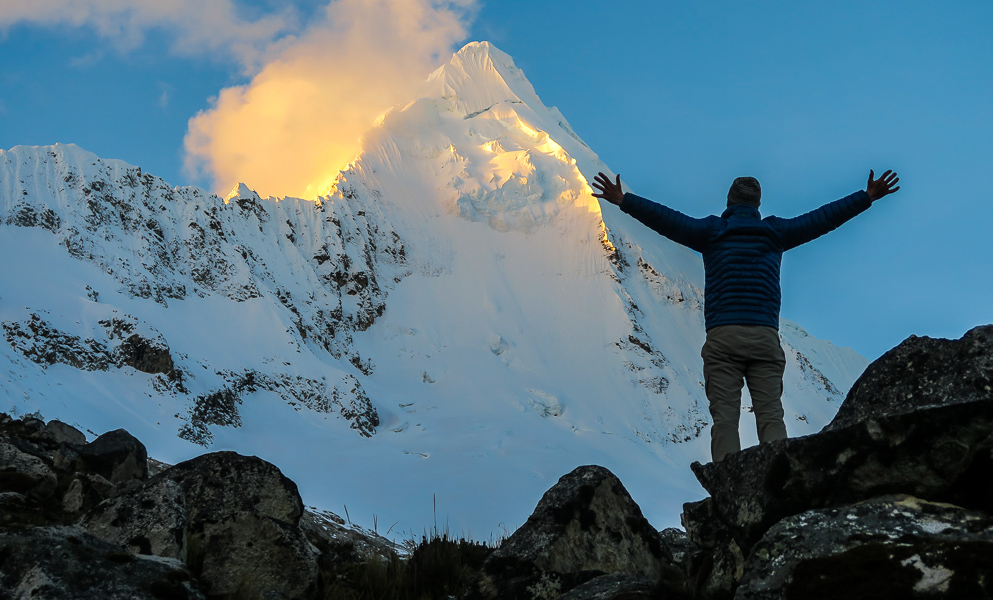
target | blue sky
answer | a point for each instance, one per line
(679, 98)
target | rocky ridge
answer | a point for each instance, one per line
(897, 503)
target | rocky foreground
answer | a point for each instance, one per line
(893, 499)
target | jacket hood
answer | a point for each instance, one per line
(741, 210)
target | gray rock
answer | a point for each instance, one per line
(67, 563)
(25, 473)
(149, 521)
(942, 454)
(243, 526)
(584, 526)
(63, 433)
(85, 492)
(922, 372)
(887, 547)
(616, 587)
(116, 455)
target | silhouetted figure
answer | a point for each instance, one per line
(742, 254)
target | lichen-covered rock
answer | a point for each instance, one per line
(887, 547)
(922, 372)
(940, 454)
(150, 521)
(25, 473)
(617, 587)
(67, 563)
(243, 526)
(584, 526)
(116, 455)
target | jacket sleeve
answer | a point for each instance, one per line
(678, 227)
(812, 225)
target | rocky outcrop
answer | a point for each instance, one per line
(892, 500)
(918, 425)
(59, 563)
(585, 526)
(920, 373)
(891, 546)
(85, 520)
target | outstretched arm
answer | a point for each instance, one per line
(809, 226)
(671, 223)
(877, 188)
(611, 192)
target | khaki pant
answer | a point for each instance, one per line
(752, 353)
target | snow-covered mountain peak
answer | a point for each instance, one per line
(241, 192)
(479, 76)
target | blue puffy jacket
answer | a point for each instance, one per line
(742, 252)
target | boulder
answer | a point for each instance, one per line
(59, 563)
(243, 526)
(586, 525)
(920, 373)
(116, 455)
(63, 433)
(25, 473)
(616, 587)
(887, 547)
(149, 521)
(941, 454)
(86, 491)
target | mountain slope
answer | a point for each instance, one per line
(455, 323)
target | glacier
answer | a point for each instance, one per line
(433, 342)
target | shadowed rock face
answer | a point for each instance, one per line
(584, 526)
(116, 456)
(920, 373)
(55, 563)
(885, 547)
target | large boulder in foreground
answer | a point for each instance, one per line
(920, 373)
(243, 528)
(60, 563)
(887, 547)
(585, 526)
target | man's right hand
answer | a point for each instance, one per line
(609, 191)
(881, 187)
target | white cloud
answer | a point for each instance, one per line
(198, 26)
(298, 121)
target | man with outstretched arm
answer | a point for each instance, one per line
(742, 254)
